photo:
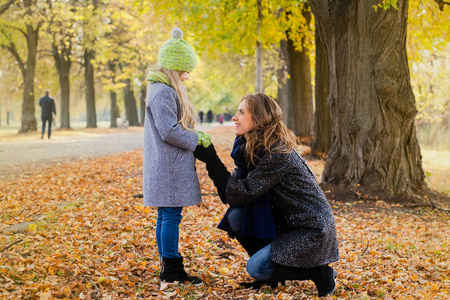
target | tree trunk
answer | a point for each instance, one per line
(322, 125)
(143, 96)
(114, 109)
(63, 63)
(284, 81)
(301, 105)
(113, 96)
(91, 117)
(28, 106)
(259, 53)
(374, 140)
(130, 104)
(294, 88)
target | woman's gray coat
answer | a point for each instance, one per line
(170, 179)
(306, 230)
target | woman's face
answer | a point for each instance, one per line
(184, 76)
(243, 121)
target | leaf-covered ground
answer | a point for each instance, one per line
(93, 240)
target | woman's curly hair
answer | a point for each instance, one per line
(270, 133)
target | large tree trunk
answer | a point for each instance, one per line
(63, 63)
(91, 117)
(28, 106)
(322, 123)
(130, 104)
(294, 87)
(301, 105)
(374, 141)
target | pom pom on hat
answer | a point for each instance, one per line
(177, 33)
(176, 54)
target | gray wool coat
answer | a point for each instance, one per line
(306, 230)
(169, 179)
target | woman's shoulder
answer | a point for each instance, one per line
(161, 88)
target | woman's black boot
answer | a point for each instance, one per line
(322, 276)
(325, 280)
(172, 269)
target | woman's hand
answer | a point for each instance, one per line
(216, 169)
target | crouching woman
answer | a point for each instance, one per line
(278, 212)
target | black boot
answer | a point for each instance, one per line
(322, 276)
(325, 281)
(172, 269)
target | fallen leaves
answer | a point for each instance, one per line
(90, 239)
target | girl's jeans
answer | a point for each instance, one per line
(167, 231)
(259, 265)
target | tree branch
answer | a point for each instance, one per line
(18, 29)
(441, 4)
(12, 48)
(5, 6)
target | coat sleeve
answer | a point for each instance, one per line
(53, 106)
(164, 111)
(267, 173)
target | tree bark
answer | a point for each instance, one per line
(63, 64)
(301, 105)
(259, 53)
(113, 96)
(294, 87)
(322, 123)
(284, 82)
(130, 104)
(374, 140)
(28, 106)
(91, 117)
(114, 109)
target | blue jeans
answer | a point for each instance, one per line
(259, 266)
(167, 231)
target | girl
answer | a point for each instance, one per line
(277, 211)
(170, 180)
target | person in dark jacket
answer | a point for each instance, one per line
(278, 212)
(48, 108)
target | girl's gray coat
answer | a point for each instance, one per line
(170, 179)
(306, 231)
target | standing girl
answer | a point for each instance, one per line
(170, 179)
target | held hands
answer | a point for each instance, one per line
(203, 139)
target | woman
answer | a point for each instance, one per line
(277, 211)
(169, 178)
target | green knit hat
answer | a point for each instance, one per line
(176, 54)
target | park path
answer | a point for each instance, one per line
(27, 156)
(22, 157)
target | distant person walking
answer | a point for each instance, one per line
(201, 114)
(48, 108)
(209, 116)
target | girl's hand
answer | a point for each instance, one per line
(204, 139)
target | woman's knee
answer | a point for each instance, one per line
(259, 265)
(235, 219)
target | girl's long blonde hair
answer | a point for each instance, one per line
(187, 110)
(270, 133)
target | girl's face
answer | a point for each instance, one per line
(243, 121)
(184, 76)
